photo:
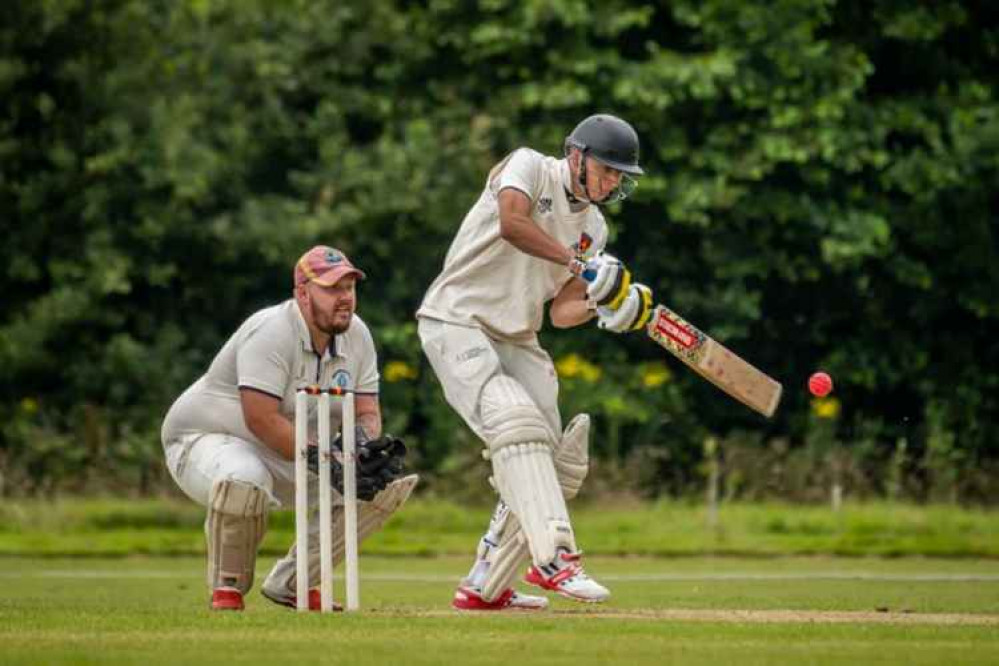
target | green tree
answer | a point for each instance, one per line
(821, 192)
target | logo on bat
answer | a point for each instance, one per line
(682, 334)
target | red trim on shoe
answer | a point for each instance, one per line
(227, 598)
(564, 574)
(315, 601)
(535, 577)
(467, 599)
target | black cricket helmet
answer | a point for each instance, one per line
(609, 140)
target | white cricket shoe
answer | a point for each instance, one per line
(565, 576)
(470, 598)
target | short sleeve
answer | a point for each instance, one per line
(367, 368)
(264, 363)
(522, 172)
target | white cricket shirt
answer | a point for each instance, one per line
(490, 284)
(272, 352)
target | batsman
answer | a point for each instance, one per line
(526, 242)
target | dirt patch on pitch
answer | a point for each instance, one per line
(803, 617)
(757, 616)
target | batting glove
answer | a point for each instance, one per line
(633, 313)
(610, 280)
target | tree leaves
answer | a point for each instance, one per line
(821, 174)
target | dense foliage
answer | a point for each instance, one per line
(823, 191)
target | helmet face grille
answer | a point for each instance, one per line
(610, 140)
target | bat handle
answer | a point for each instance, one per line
(589, 273)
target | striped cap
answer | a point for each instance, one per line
(325, 266)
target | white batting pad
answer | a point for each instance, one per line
(572, 455)
(234, 528)
(501, 554)
(523, 471)
(504, 547)
(509, 415)
(525, 476)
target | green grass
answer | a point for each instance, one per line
(769, 585)
(152, 611)
(432, 527)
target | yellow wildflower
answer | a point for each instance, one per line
(654, 375)
(825, 408)
(396, 371)
(573, 365)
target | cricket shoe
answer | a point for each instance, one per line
(565, 576)
(291, 601)
(227, 598)
(470, 599)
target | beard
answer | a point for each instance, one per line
(331, 323)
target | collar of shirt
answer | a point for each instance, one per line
(298, 321)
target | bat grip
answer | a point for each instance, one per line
(589, 274)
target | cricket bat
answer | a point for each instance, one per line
(714, 362)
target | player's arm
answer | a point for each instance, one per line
(368, 414)
(263, 417)
(571, 307)
(518, 229)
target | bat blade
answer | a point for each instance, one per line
(713, 361)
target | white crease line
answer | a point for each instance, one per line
(620, 578)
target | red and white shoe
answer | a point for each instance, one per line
(227, 598)
(291, 601)
(469, 599)
(565, 576)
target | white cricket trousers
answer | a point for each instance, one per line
(464, 359)
(197, 461)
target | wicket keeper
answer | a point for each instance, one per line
(229, 438)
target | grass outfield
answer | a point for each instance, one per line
(816, 610)
(433, 528)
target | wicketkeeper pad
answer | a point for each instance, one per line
(370, 518)
(234, 527)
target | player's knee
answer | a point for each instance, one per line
(249, 470)
(510, 416)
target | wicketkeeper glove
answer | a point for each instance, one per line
(610, 281)
(632, 315)
(379, 462)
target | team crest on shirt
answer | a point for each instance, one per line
(340, 380)
(583, 245)
(544, 205)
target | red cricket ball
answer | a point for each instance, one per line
(820, 384)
